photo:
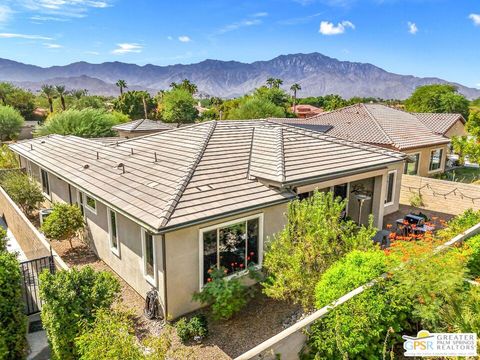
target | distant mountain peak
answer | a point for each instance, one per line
(317, 73)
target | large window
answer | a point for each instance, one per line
(436, 159)
(391, 179)
(113, 230)
(233, 246)
(411, 167)
(149, 256)
(45, 183)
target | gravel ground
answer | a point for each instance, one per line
(258, 321)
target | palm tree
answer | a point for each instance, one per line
(60, 89)
(49, 92)
(270, 82)
(295, 87)
(122, 84)
(276, 83)
(189, 86)
(79, 93)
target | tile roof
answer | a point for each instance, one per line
(375, 124)
(143, 125)
(439, 123)
(201, 171)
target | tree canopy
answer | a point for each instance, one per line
(256, 108)
(88, 123)
(136, 104)
(178, 106)
(439, 98)
(10, 123)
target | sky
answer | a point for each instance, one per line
(439, 38)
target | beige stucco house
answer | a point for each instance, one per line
(162, 209)
(425, 137)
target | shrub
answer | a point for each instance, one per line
(10, 123)
(110, 336)
(226, 297)
(459, 224)
(63, 223)
(416, 200)
(355, 269)
(256, 108)
(3, 239)
(8, 160)
(190, 329)
(178, 106)
(71, 300)
(23, 190)
(313, 239)
(473, 260)
(13, 322)
(88, 123)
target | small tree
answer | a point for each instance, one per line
(8, 160)
(63, 223)
(71, 300)
(178, 106)
(10, 123)
(256, 108)
(23, 191)
(13, 322)
(313, 239)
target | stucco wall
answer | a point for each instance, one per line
(182, 260)
(424, 161)
(394, 207)
(458, 129)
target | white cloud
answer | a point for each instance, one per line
(238, 25)
(124, 48)
(475, 18)
(328, 28)
(92, 53)
(52, 46)
(23, 36)
(5, 13)
(184, 39)
(299, 20)
(260, 14)
(412, 28)
(56, 9)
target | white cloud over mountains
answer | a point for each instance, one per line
(329, 28)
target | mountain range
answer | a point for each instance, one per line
(316, 73)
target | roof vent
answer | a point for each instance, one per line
(121, 166)
(86, 166)
(204, 187)
(42, 142)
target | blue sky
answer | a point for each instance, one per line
(421, 37)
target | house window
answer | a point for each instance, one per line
(411, 167)
(45, 183)
(436, 159)
(80, 202)
(233, 246)
(113, 230)
(391, 180)
(149, 256)
(91, 204)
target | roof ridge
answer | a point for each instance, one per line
(378, 125)
(331, 138)
(139, 122)
(185, 180)
(280, 154)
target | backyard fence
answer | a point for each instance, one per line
(288, 343)
(440, 195)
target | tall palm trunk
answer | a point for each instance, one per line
(294, 100)
(62, 100)
(50, 102)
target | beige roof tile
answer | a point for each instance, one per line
(439, 123)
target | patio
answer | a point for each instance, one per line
(406, 209)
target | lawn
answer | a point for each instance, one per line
(467, 175)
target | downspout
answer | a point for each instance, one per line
(70, 194)
(164, 269)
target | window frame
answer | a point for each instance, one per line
(92, 210)
(418, 164)
(151, 280)
(259, 216)
(114, 250)
(394, 172)
(430, 161)
(49, 194)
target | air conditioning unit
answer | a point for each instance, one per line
(44, 214)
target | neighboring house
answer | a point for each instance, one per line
(389, 128)
(26, 132)
(200, 108)
(140, 127)
(448, 125)
(306, 111)
(161, 210)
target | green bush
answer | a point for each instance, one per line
(110, 336)
(189, 329)
(10, 123)
(8, 159)
(13, 322)
(355, 269)
(23, 190)
(313, 239)
(256, 108)
(226, 297)
(473, 261)
(71, 300)
(63, 223)
(88, 123)
(3, 239)
(459, 224)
